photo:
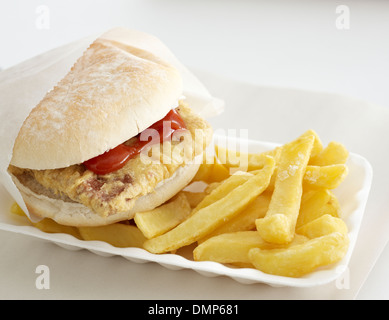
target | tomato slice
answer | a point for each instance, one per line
(117, 157)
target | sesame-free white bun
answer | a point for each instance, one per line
(112, 93)
(41, 204)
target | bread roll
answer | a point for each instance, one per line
(112, 93)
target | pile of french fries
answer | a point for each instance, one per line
(279, 216)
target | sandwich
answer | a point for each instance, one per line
(114, 137)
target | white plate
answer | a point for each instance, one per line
(352, 195)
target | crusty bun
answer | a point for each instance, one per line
(41, 202)
(120, 88)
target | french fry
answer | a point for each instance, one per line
(212, 186)
(317, 147)
(15, 209)
(326, 224)
(194, 198)
(328, 243)
(301, 259)
(222, 189)
(231, 158)
(325, 177)
(334, 153)
(210, 217)
(245, 220)
(234, 247)
(229, 247)
(316, 203)
(47, 225)
(218, 173)
(163, 218)
(279, 223)
(328, 177)
(118, 235)
(211, 172)
(332, 207)
(50, 226)
(235, 159)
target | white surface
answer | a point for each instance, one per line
(286, 43)
(352, 195)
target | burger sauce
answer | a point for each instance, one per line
(117, 157)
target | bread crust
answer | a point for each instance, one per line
(120, 88)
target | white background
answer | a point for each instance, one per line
(280, 43)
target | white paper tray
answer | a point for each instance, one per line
(352, 195)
